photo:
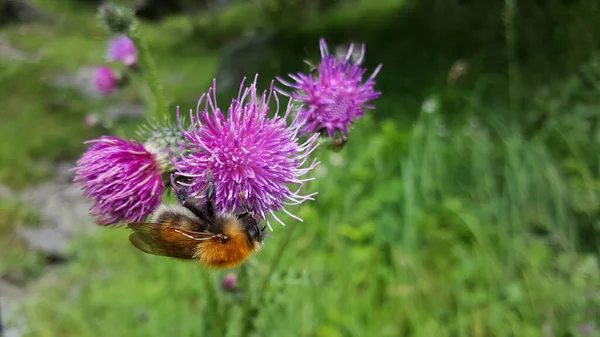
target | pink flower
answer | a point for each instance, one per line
(122, 49)
(104, 80)
(230, 282)
(336, 95)
(123, 178)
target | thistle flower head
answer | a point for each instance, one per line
(123, 178)
(105, 80)
(122, 49)
(336, 95)
(247, 153)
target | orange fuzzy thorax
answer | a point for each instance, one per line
(227, 254)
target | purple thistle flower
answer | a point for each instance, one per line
(229, 282)
(246, 152)
(122, 49)
(105, 80)
(336, 96)
(122, 177)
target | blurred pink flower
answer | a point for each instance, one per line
(105, 80)
(122, 49)
(229, 282)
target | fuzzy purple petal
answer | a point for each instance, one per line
(122, 178)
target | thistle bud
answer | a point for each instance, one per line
(162, 137)
(230, 282)
(117, 19)
(105, 80)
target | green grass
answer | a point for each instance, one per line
(373, 259)
(478, 219)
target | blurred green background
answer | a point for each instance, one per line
(466, 204)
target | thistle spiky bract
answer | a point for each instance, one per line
(117, 19)
(163, 135)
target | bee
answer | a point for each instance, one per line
(187, 231)
(338, 143)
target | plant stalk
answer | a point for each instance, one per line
(160, 112)
(253, 309)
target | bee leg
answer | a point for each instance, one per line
(181, 194)
(246, 211)
(205, 213)
(210, 191)
(185, 201)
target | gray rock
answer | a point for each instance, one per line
(124, 110)
(47, 240)
(63, 171)
(115, 113)
(10, 53)
(10, 294)
(10, 297)
(5, 192)
(61, 205)
(63, 212)
(81, 80)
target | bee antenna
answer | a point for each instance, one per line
(263, 229)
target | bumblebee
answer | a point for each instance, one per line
(189, 231)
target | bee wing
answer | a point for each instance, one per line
(166, 240)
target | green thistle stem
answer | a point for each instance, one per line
(251, 310)
(214, 315)
(160, 112)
